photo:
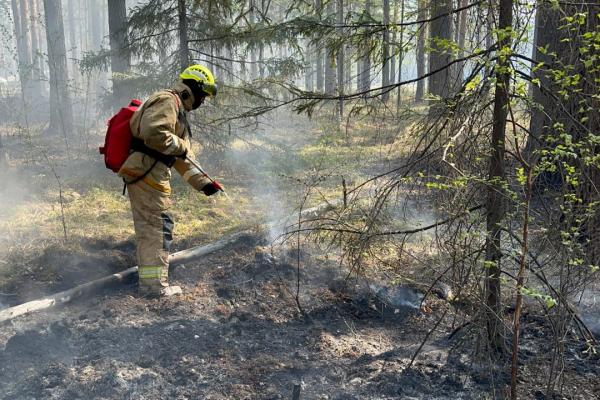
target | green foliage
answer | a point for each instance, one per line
(547, 300)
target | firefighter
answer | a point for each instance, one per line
(161, 140)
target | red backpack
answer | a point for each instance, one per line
(117, 143)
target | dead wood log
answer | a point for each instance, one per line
(68, 295)
(65, 296)
(176, 258)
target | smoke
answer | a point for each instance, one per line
(264, 158)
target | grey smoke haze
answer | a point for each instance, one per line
(267, 164)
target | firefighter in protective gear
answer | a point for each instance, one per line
(161, 140)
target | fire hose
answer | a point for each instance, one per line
(214, 182)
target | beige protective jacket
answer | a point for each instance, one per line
(161, 123)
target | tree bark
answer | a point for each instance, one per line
(559, 44)
(440, 31)
(61, 112)
(23, 52)
(400, 57)
(308, 70)
(495, 192)
(349, 56)
(253, 69)
(261, 61)
(25, 30)
(340, 59)
(73, 45)
(393, 50)
(36, 46)
(365, 73)
(94, 25)
(184, 50)
(385, 71)
(330, 59)
(462, 34)
(319, 52)
(568, 108)
(120, 55)
(421, 15)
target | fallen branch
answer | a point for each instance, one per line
(70, 294)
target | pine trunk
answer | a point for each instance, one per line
(421, 15)
(25, 31)
(120, 57)
(61, 112)
(308, 71)
(36, 46)
(440, 56)
(462, 34)
(253, 69)
(495, 193)
(73, 47)
(319, 52)
(330, 59)
(184, 50)
(394, 46)
(340, 59)
(94, 25)
(23, 53)
(385, 71)
(365, 75)
(261, 61)
(400, 57)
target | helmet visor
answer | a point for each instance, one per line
(209, 88)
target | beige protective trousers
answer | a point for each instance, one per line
(154, 235)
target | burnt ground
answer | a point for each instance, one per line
(236, 333)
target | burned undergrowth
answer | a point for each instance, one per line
(236, 333)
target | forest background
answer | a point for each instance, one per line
(455, 142)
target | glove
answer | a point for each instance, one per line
(211, 188)
(183, 155)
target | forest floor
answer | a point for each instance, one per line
(236, 332)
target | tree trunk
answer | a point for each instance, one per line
(385, 71)
(61, 112)
(94, 25)
(394, 46)
(83, 26)
(440, 31)
(308, 70)
(23, 52)
(73, 46)
(495, 193)
(462, 34)
(568, 109)
(253, 69)
(559, 44)
(25, 31)
(120, 55)
(489, 39)
(330, 59)
(36, 47)
(340, 59)
(261, 61)
(184, 50)
(365, 73)
(319, 52)
(400, 57)
(421, 15)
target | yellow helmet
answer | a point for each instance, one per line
(203, 76)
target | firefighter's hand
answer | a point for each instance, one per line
(211, 188)
(183, 155)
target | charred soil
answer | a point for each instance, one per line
(236, 333)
